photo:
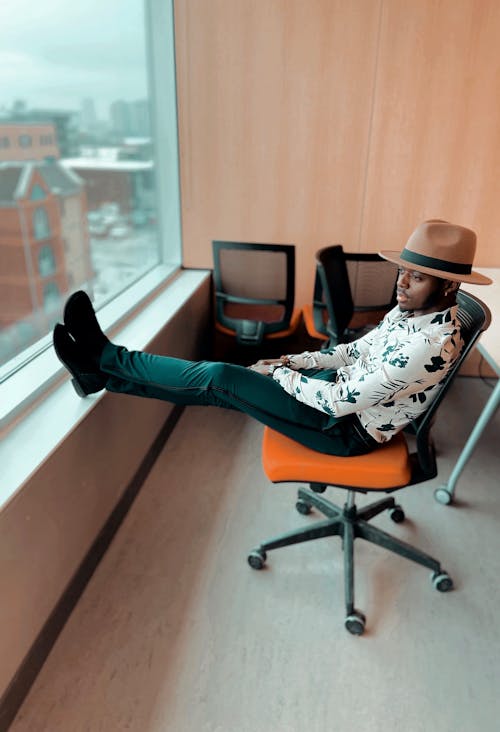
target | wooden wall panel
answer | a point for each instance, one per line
(274, 118)
(318, 121)
(435, 140)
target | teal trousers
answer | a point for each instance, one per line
(230, 386)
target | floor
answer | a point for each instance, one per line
(175, 633)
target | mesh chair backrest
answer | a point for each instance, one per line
(475, 318)
(372, 280)
(250, 273)
(254, 282)
(349, 283)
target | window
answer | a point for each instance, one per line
(100, 192)
(41, 226)
(46, 261)
(25, 140)
(37, 193)
(51, 297)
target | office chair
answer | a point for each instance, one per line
(352, 292)
(254, 291)
(388, 468)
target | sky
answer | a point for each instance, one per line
(58, 52)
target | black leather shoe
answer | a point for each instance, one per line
(87, 378)
(81, 322)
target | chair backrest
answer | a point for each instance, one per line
(372, 280)
(333, 279)
(347, 283)
(475, 317)
(254, 288)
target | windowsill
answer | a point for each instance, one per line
(38, 433)
(30, 382)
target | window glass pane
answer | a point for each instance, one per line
(51, 296)
(77, 160)
(41, 229)
(37, 193)
(46, 262)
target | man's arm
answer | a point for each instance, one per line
(392, 381)
(342, 354)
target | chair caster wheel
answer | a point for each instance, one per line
(442, 582)
(257, 559)
(443, 495)
(318, 487)
(355, 623)
(303, 507)
(397, 514)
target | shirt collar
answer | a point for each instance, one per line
(420, 320)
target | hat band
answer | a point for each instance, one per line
(434, 263)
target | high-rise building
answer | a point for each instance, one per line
(140, 118)
(88, 115)
(119, 113)
(130, 118)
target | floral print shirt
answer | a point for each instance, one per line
(387, 378)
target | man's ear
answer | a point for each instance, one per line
(450, 286)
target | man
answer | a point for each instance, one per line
(342, 401)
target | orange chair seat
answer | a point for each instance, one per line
(308, 313)
(387, 467)
(294, 324)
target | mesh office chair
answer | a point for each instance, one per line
(388, 468)
(254, 291)
(352, 291)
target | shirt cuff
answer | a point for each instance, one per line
(282, 375)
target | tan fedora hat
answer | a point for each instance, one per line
(441, 249)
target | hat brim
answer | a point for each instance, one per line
(474, 278)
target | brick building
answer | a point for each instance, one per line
(128, 183)
(44, 247)
(27, 141)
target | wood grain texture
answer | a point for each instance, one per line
(435, 139)
(274, 109)
(320, 121)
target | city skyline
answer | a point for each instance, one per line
(20, 109)
(56, 55)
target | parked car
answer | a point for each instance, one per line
(119, 232)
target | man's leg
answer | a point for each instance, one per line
(221, 385)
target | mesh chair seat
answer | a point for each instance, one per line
(249, 314)
(310, 323)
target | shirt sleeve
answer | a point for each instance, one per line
(332, 358)
(399, 377)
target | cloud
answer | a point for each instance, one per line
(58, 52)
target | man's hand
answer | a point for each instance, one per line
(268, 362)
(262, 366)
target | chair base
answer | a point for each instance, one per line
(351, 523)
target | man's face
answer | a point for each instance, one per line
(419, 292)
